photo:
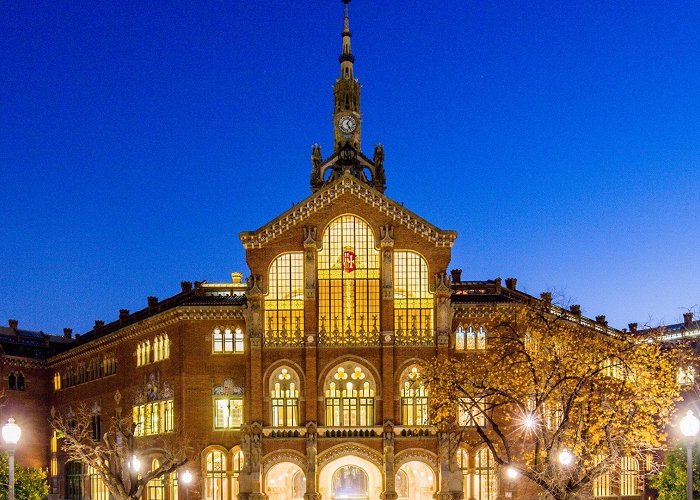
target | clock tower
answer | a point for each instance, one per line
(347, 157)
(346, 96)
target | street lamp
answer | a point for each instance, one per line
(512, 473)
(565, 457)
(10, 434)
(187, 479)
(690, 425)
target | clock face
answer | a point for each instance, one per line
(347, 124)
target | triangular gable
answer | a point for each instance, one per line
(325, 196)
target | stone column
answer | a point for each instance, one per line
(389, 492)
(254, 327)
(443, 309)
(450, 480)
(311, 326)
(311, 452)
(256, 451)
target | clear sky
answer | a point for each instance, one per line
(560, 139)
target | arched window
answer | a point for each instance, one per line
(284, 303)
(98, 490)
(349, 398)
(74, 480)
(226, 340)
(401, 485)
(470, 339)
(12, 381)
(156, 486)
(413, 302)
(20, 381)
(284, 398)
(485, 483)
(414, 399)
(348, 284)
(601, 484)
(82, 373)
(173, 485)
(350, 481)
(629, 476)
(57, 381)
(216, 487)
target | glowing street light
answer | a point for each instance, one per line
(135, 464)
(565, 457)
(690, 425)
(11, 433)
(512, 473)
(187, 479)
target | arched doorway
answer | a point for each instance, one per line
(285, 481)
(415, 481)
(350, 477)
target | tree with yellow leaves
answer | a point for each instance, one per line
(557, 399)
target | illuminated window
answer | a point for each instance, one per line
(109, 364)
(686, 376)
(348, 283)
(349, 398)
(613, 368)
(601, 484)
(216, 487)
(284, 394)
(629, 476)
(227, 340)
(57, 381)
(98, 490)
(53, 471)
(173, 485)
(413, 302)
(228, 412)
(156, 486)
(553, 414)
(154, 418)
(470, 339)
(414, 399)
(74, 480)
(485, 483)
(284, 303)
(463, 464)
(82, 373)
(471, 413)
(96, 427)
(161, 348)
(143, 353)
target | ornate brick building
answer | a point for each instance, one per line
(297, 382)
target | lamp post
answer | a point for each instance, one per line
(565, 458)
(690, 425)
(187, 479)
(10, 434)
(512, 473)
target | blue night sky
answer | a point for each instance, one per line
(560, 139)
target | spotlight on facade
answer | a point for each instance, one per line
(565, 457)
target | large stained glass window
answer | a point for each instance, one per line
(284, 303)
(348, 283)
(413, 302)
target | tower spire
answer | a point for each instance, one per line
(346, 95)
(346, 57)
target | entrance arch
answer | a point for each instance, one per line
(285, 481)
(350, 477)
(415, 480)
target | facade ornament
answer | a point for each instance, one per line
(311, 453)
(316, 159)
(228, 388)
(310, 252)
(96, 409)
(386, 234)
(388, 437)
(443, 293)
(379, 180)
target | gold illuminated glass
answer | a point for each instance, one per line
(348, 283)
(284, 399)
(349, 399)
(414, 399)
(284, 303)
(154, 418)
(413, 301)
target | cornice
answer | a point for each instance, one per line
(325, 196)
(24, 362)
(150, 325)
